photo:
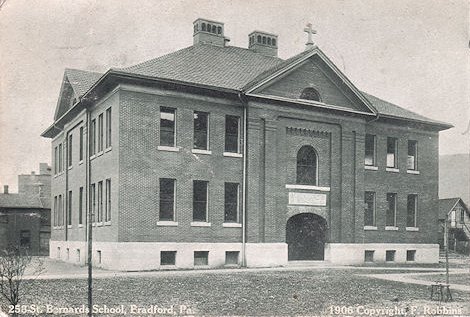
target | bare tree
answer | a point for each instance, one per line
(2, 2)
(13, 265)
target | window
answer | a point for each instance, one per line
(56, 213)
(232, 134)
(390, 255)
(92, 137)
(92, 201)
(61, 210)
(310, 93)
(231, 257)
(200, 200)
(370, 152)
(307, 166)
(107, 214)
(412, 161)
(60, 157)
(78, 255)
(25, 238)
(100, 201)
(108, 127)
(167, 199)
(412, 210)
(98, 257)
(410, 255)
(81, 144)
(167, 126)
(391, 216)
(201, 258)
(167, 257)
(369, 256)
(462, 214)
(258, 38)
(231, 202)
(201, 130)
(70, 150)
(369, 214)
(100, 133)
(392, 158)
(80, 206)
(69, 209)
(56, 160)
(274, 42)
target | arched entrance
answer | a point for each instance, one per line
(306, 237)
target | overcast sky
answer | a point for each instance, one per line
(412, 53)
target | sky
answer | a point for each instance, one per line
(414, 53)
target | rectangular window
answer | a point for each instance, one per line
(200, 200)
(61, 210)
(167, 199)
(392, 148)
(232, 134)
(167, 257)
(369, 214)
(370, 152)
(231, 202)
(108, 127)
(98, 257)
(56, 213)
(100, 132)
(80, 206)
(167, 126)
(462, 215)
(201, 258)
(69, 209)
(107, 215)
(231, 257)
(93, 137)
(369, 256)
(412, 161)
(56, 160)
(92, 202)
(81, 145)
(410, 255)
(60, 157)
(391, 218)
(412, 211)
(70, 150)
(390, 255)
(201, 130)
(100, 201)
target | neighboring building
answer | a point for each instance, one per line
(454, 176)
(25, 216)
(458, 221)
(215, 155)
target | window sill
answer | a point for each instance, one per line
(199, 151)
(200, 224)
(92, 157)
(107, 223)
(69, 226)
(167, 223)
(108, 149)
(371, 228)
(308, 187)
(231, 225)
(412, 229)
(80, 226)
(168, 148)
(371, 168)
(391, 228)
(99, 153)
(80, 162)
(392, 169)
(70, 167)
(412, 172)
(99, 224)
(231, 154)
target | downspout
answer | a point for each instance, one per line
(89, 220)
(244, 102)
(67, 198)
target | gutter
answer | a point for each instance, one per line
(244, 102)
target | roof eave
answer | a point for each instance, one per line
(441, 125)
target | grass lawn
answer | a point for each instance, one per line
(463, 279)
(244, 293)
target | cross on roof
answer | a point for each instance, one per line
(310, 32)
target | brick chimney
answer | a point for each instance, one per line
(209, 32)
(5, 189)
(263, 43)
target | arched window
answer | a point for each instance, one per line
(264, 39)
(219, 30)
(307, 166)
(195, 28)
(310, 94)
(214, 29)
(259, 38)
(203, 26)
(269, 41)
(274, 42)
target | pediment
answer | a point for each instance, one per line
(67, 97)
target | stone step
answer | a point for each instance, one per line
(308, 263)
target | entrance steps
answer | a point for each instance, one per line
(308, 263)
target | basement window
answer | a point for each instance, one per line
(201, 258)
(410, 255)
(390, 255)
(167, 257)
(231, 257)
(369, 256)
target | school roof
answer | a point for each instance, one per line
(230, 68)
(447, 204)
